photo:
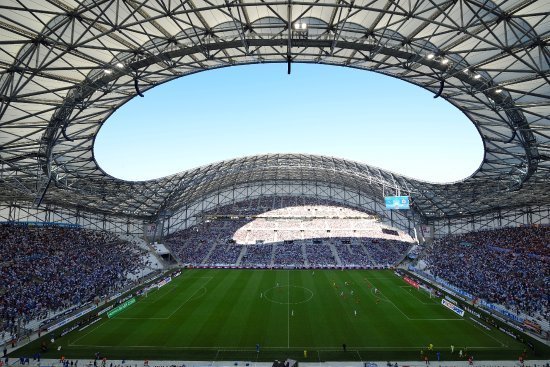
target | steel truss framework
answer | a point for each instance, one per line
(190, 214)
(66, 65)
(536, 215)
(52, 214)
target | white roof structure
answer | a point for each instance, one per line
(67, 65)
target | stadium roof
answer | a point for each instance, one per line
(66, 65)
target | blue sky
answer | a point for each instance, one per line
(246, 110)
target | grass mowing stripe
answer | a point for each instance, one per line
(191, 297)
(386, 299)
(238, 348)
(166, 290)
(376, 291)
(413, 292)
(288, 310)
(187, 300)
(489, 335)
(89, 331)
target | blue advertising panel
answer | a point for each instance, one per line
(397, 202)
(452, 307)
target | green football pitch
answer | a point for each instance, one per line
(222, 315)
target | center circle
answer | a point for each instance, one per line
(288, 294)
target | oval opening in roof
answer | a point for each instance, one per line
(247, 110)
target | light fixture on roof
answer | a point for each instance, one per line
(498, 91)
(430, 56)
(466, 71)
(119, 65)
(477, 76)
(300, 26)
(444, 61)
(107, 71)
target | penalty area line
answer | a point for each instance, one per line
(489, 335)
(82, 336)
(190, 297)
(413, 294)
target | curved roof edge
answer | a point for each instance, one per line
(68, 65)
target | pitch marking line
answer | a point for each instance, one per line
(166, 288)
(169, 287)
(267, 291)
(489, 335)
(166, 318)
(241, 349)
(201, 294)
(190, 298)
(413, 293)
(386, 299)
(82, 336)
(288, 310)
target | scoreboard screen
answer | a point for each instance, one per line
(397, 202)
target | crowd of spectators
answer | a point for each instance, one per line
(187, 251)
(289, 254)
(224, 254)
(320, 255)
(193, 245)
(268, 234)
(257, 255)
(386, 252)
(44, 270)
(353, 254)
(508, 266)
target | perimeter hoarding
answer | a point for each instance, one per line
(452, 307)
(115, 311)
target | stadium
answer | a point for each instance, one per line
(300, 258)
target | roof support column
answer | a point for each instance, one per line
(289, 44)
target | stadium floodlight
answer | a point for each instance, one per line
(444, 61)
(477, 76)
(119, 65)
(300, 27)
(430, 56)
(108, 71)
(498, 91)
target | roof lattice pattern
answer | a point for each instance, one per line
(66, 65)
